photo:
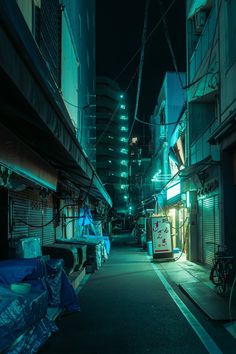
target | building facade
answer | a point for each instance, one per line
(209, 174)
(208, 76)
(46, 177)
(168, 124)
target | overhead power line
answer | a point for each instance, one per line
(147, 39)
(167, 35)
(144, 35)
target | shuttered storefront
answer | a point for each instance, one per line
(208, 228)
(28, 211)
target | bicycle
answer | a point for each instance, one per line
(221, 273)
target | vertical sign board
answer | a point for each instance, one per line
(161, 238)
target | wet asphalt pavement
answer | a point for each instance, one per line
(125, 309)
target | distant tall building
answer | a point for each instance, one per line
(79, 91)
(112, 141)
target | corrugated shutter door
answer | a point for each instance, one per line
(19, 212)
(218, 238)
(211, 227)
(200, 230)
(48, 232)
(30, 212)
(208, 229)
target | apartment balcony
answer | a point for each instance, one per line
(204, 45)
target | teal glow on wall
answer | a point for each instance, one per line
(173, 191)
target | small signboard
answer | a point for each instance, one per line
(161, 237)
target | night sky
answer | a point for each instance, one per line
(119, 33)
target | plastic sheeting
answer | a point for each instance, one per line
(18, 313)
(34, 338)
(43, 275)
(104, 239)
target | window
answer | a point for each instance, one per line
(31, 12)
(124, 129)
(124, 162)
(124, 174)
(124, 151)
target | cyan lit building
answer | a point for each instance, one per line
(170, 102)
(168, 157)
(112, 141)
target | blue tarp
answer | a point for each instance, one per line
(18, 313)
(34, 338)
(43, 275)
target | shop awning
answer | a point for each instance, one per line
(226, 129)
(197, 167)
(18, 157)
(31, 105)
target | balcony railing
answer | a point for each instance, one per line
(204, 43)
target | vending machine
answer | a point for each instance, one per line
(161, 238)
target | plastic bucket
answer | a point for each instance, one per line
(149, 248)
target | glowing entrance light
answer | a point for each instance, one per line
(122, 106)
(121, 96)
(173, 191)
(123, 117)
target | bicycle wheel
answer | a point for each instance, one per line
(223, 285)
(215, 275)
(225, 274)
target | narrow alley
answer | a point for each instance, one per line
(125, 308)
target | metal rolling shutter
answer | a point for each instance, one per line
(48, 232)
(218, 238)
(200, 231)
(28, 207)
(20, 207)
(211, 232)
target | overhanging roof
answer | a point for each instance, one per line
(198, 5)
(197, 167)
(32, 106)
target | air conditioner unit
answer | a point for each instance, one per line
(200, 20)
